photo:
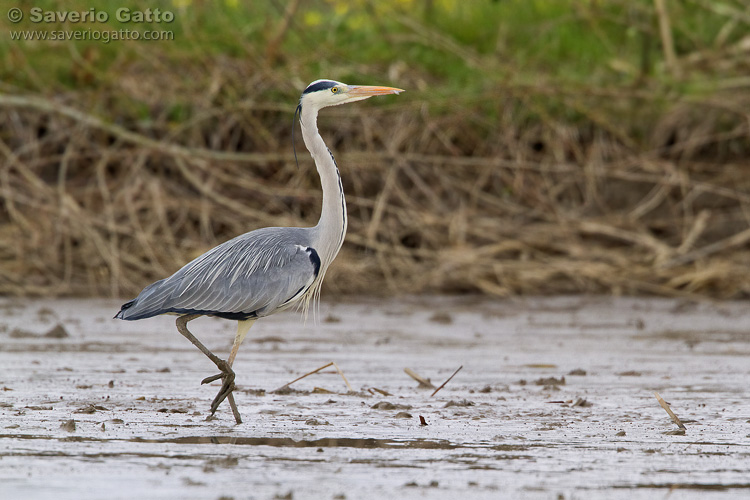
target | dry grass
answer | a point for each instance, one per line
(441, 198)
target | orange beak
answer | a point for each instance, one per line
(367, 91)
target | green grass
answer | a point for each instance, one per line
(462, 50)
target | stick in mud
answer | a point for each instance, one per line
(424, 383)
(342, 376)
(316, 371)
(379, 391)
(669, 411)
(449, 379)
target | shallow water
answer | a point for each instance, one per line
(520, 420)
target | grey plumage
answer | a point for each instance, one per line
(249, 276)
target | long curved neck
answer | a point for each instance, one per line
(331, 228)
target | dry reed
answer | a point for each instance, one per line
(441, 198)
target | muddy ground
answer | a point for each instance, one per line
(555, 400)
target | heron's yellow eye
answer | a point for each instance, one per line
(334, 89)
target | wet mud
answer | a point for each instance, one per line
(555, 400)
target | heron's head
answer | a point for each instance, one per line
(323, 93)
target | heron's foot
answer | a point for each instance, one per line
(226, 389)
(226, 371)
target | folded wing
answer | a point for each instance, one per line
(249, 276)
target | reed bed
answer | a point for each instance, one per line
(100, 209)
(514, 188)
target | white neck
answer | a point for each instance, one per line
(331, 228)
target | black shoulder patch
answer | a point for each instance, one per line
(314, 259)
(325, 84)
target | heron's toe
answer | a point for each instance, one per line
(226, 373)
(225, 391)
(210, 379)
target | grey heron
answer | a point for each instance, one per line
(266, 270)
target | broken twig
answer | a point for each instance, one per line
(342, 376)
(373, 390)
(424, 383)
(669, 411)
(316, 371)
(449, 379)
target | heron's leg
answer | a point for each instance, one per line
(228, 386)
(242, 328)
(227, 374)
(182, 322)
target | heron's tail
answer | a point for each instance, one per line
(150, 302)
(122, 314)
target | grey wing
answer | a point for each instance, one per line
(249, 276)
